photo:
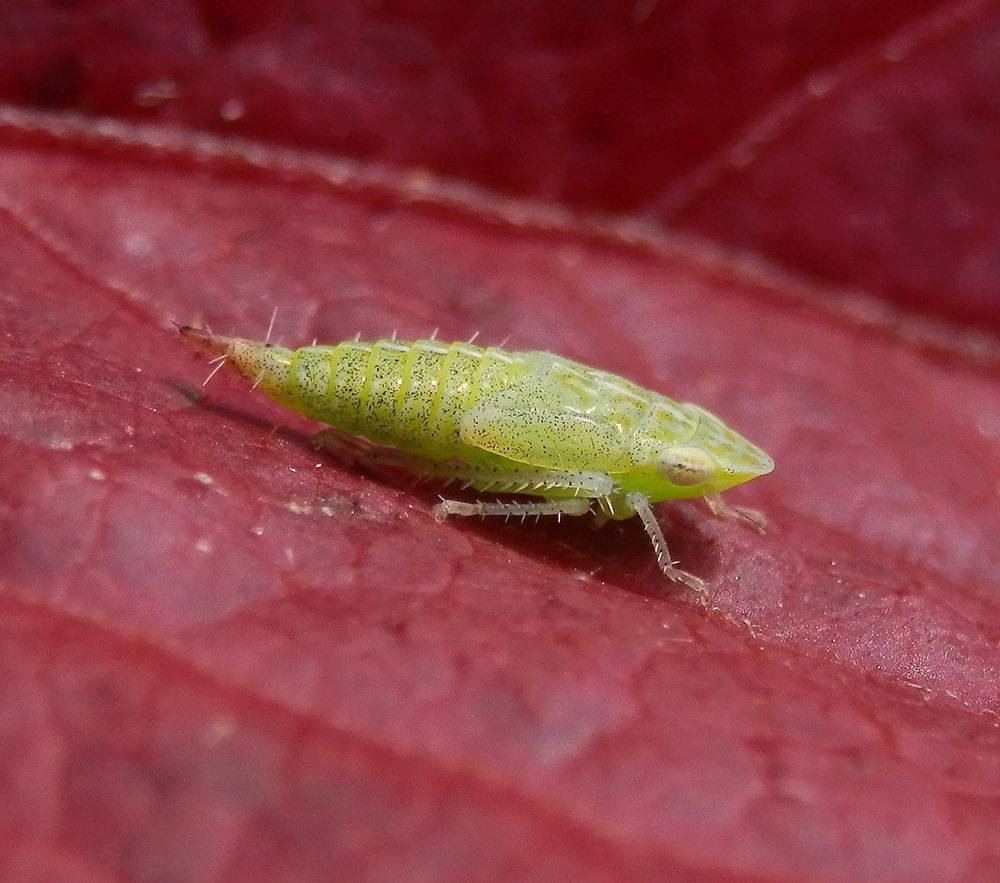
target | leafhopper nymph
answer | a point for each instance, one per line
(576, 439)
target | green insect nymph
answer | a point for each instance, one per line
(575, 438)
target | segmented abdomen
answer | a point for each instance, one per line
(410, 395)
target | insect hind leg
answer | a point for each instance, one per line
(564, 493)
(548, 483)
(349, 449)
(580, 487)
(355, 450)
(514, 509)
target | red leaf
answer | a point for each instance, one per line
(855, 141)
(229, 658)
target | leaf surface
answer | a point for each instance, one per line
(231, 658)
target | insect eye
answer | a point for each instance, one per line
(686, 466)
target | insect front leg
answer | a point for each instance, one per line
(640, 504)
(721, 509)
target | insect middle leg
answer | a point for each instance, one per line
(640, 504)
